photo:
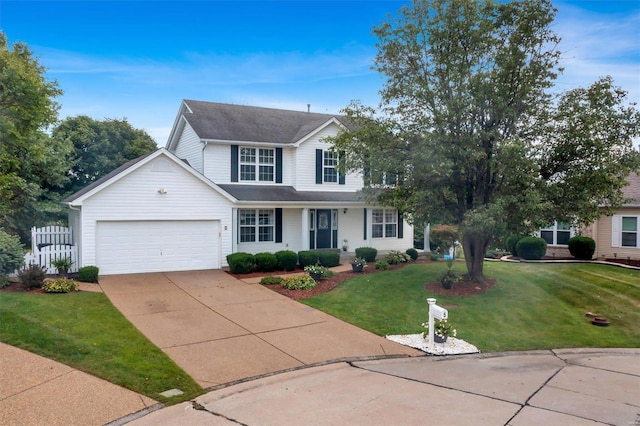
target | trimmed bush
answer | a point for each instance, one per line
(266, 262)
(395, 257)
(531, 248)
(413, 253)
(512, 242)
(433, 255)
(32, 276)
(88, 274)
(301, 282)
(287, 260)
(11, 253)
(307, 257)
(369, 253)
(382, 265)
(241, 263)
(329, 258)
(582, 247)
(60, 285)
(271, 280)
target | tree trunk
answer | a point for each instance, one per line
(474, 248)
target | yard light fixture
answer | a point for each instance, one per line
(161, 191)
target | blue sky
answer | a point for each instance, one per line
(139, 59)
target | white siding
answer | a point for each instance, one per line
(217, 163)
(135, 197)
(351, 228)
(306, 166)
(189, 148)
(76, 230)
(291, 235)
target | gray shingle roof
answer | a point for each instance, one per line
(217, 121)
(632, 190)
(273, 193)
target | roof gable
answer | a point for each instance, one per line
(240, 123)
(128, 168)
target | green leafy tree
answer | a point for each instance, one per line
(32, 166)
(100, 147)
(467, 110)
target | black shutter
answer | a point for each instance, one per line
(367, 176)
(341, 176)
(278, 225)
(364, 221)
(318, 166)
(278, 165)
(234, 163)
(400, 225)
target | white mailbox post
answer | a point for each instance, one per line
(435, 311)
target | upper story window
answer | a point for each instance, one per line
(329, 167)
(556, 234)
(379, 178)
(256, 225)
(257, 164)
(384, 223)
(629, 231)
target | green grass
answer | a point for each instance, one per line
(532, 306)
(85, 331)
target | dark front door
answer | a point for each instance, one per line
(323, 229)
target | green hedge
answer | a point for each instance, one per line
(11, 253)
(287, 260)
(369, 253)
(531, 248)
(582, 247)
(413, 253)
(266, 262)
(307, 257)
(329, 258)
(88, 274)
(241, 263)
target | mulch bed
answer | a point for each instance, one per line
(328, 284)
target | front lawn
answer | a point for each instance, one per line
(85, 331)
(532, 306)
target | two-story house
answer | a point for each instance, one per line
(231, 178)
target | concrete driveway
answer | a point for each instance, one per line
(221, 330)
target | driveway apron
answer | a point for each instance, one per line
(220, 329)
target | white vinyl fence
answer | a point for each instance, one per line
(51, 243)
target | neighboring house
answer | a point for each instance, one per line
(616, 236)
(231, 179)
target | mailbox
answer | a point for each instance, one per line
(438, 312)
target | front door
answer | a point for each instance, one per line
(323, 228)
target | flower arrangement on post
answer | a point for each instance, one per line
(358, 264)
(441, 330)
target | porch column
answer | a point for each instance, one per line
(234, 230)
(427, 238)
(304, 241)
(369, 227)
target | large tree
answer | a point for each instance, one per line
(471, 131)
(32, 166)
(99, 147)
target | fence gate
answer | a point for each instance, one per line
(50, 243)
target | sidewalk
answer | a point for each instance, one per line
(560, 387)
(38, 391)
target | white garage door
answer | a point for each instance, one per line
(157, 246)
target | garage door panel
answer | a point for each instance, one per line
(156, 246)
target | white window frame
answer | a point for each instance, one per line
(636, 231)
(261, 160)
(554, 229)
(384, 223)
(263, 225)
(329, 167)
(381, 179)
